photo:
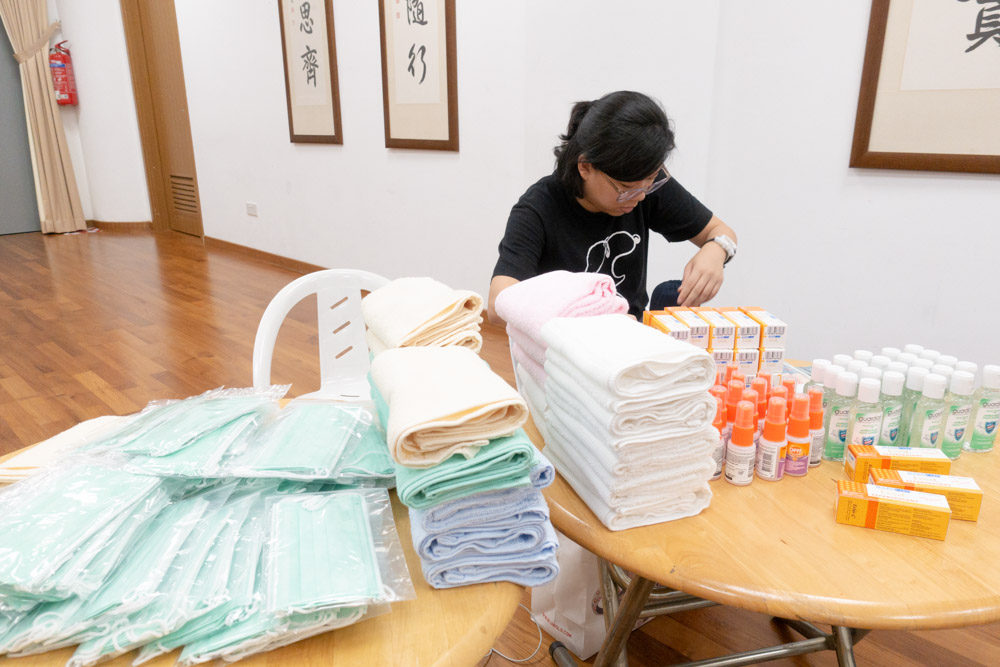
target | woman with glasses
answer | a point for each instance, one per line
(594, 213)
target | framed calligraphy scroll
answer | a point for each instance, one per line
(930, 87)
(419, 74)
(310, 56)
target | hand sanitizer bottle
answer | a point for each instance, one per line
(819, 367)
(833, 371)
(911, 394)
(892, 408)
(838, 412)
(957, 408)
(985, 413)
(925, 426)
(864, 422)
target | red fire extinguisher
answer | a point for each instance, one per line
(62, 74)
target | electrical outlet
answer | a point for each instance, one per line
(252, 208)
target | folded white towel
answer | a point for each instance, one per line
(667, 508)
(629, 359)
(443, 401)
(422, 312)
(529, 346)
(637, 455)
(675, 416)
(534, 396)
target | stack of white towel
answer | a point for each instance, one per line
(629, 419)
(418, 312)
(529, 304)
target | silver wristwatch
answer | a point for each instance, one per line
(727, 244)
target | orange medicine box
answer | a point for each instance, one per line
(668, 324)
(773, 332)
(859, 459)
(699, 327)
(747, 328)
(721, 331)
(963, 494)
(892, 510)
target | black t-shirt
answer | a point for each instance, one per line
(549, 230)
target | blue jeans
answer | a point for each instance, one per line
(664, 295)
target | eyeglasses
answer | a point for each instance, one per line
(626, 195)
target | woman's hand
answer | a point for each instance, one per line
(703, 276)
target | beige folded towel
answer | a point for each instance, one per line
(411, 312)
(443, 401)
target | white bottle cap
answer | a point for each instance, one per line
(868, 390)
(907, 358)
(915, 378)
(847, 384)
(842, 359)
(891, 352)
(934, 385)
(871, 372)
(892, 383)
(923, 363)
(962, 383)
(856, 366)
(991, 376)
(863, 355)
(898, 367)
(913, 349)
(941, 369)
(947, 360)
(880, 361)
(967, 366)
(929, 354)
(819, 370)
(830, 376)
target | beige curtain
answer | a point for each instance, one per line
(27, 25)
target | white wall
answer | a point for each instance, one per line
(850, 257)
(103, 131)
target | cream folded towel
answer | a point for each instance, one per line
(411, 312)
(628, 359)
(443, 401)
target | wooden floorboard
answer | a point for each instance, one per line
(101, 323)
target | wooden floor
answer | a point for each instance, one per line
(102, 323)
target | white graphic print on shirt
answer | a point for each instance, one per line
(606, 245)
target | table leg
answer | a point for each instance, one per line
(609, 591)
(624, 621)
(844, 640)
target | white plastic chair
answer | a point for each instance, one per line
(343, 352)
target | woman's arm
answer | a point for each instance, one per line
(497, 285)
(704, 274)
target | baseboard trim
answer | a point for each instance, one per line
(122, 227)
(270, 258)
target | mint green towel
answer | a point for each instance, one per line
(502, 464)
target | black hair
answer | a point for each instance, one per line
(624, 134)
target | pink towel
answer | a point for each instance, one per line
(531, 303)
(528, 347)
(535, 369)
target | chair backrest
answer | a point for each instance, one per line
(343, 352)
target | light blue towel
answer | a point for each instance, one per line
(532, 567)
(508, 528)
(490, 509)
(543, 473)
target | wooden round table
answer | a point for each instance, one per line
(775, 548)
(454, 627)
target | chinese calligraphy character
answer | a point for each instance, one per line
(415, 12)
(307, 23)
(987, 25)
(310, 64)
(422, 50)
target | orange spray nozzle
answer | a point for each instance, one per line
(730, 369)
(774, 425)
(789, 384)
(780, 391)
(759, 385)
(815, 408)
(752, 396)
(741, 377)
(720, 414)
(735, 392)
(766, 377)
(745, 425)
(798, 422)
(719, 391)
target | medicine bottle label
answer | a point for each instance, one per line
(930, 434)
(890, 424)
(867, 428)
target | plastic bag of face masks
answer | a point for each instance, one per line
(201, 459)
(46, 520)
(330, 550)
(366, 461)
(304, 441)
(131, 586)
(240, 586)
(199, 415)
(194, 585)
